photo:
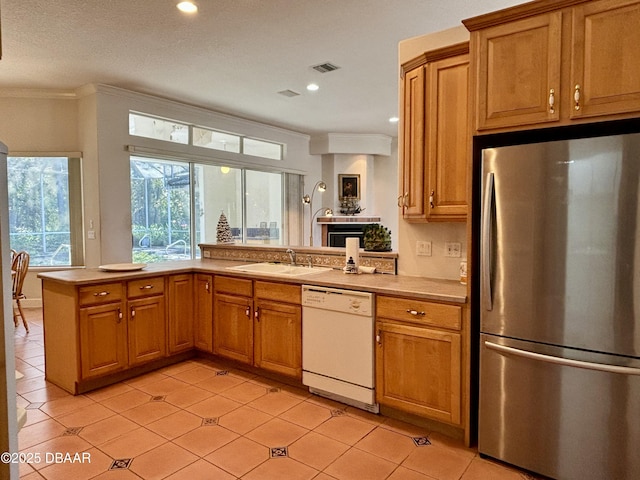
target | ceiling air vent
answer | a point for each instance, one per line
(289, 93)
(325, 67)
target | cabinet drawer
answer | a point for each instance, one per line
(281, 292)
(234, 286)
(419, 311)
(145, 287)
(98, 294)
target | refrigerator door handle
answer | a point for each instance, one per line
(563, 361)
(485, 256)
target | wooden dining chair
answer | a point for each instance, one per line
(19, 268)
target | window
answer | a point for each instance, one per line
(160, 210)
(170, 218)
(45, 216)
(150, 127)
(141, 125)
(260, 148)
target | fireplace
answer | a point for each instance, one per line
(338, 233)
(337, 228)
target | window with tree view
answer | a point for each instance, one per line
(170, 218)
(45, 209)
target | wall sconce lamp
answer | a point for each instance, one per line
(320, 186)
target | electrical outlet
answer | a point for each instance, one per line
(452, 249)
(423, 248)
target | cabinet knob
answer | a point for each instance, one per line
(379, 337)
(133, 313)
(416, 313)
(101, 294)
(400, 201)
(256, 314)
(146, 287)
(247, 312)
(119, 315)
(552, 101)
(207, 287)
(431, 198)
(576, 97)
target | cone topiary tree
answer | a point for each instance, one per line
(223, 231)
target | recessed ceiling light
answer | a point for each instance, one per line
(187, 7)
(312, 87)
(394, 119)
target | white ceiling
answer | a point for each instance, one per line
(233, 56)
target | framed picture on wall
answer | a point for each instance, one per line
(349, 186)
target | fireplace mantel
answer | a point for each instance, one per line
(348, 219)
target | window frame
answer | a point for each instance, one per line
(76, 228)
(192, 165)
(190, 136)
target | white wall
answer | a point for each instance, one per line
(437, 265)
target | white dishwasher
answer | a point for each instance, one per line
(338, 355)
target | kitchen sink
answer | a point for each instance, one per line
(279, 269)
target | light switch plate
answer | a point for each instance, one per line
(423, 248)
(452, 249)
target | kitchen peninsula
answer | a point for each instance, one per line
(102, 327)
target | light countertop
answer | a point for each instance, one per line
(399, 285)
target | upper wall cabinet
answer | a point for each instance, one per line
(435, 136)
(555, 62)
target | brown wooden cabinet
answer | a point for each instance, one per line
(103, 339)
(278, 328)
(259, 323)
(550, 63)
(181, 308)
(203, 312)
(233, 319)
(419, 358)
(146, 322)
(435, 136)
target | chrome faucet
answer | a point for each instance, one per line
(292, 257)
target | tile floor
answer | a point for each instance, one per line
(196, 421)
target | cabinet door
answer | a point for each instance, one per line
(518, 71)
(605, 67)
(412, 196)
(203, 319)
(448, 138)
(278, 337)
(180, 313)
(103, 340)
(233, 327)
(418, 371)
(147, 330)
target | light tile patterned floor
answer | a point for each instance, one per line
(196, 421)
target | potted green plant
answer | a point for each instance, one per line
(377, 238)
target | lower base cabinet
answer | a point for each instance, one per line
(103, 340)
(232, 319)
(147, 336)
(203, 312)
(418, 371)
(259, 323)
(419, 358)
(278, 329)
(181, 308)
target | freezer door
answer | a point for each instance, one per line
(563, 418)
(560, 243)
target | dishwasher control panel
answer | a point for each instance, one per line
(333, 299)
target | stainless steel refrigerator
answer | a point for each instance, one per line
(559, 381)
